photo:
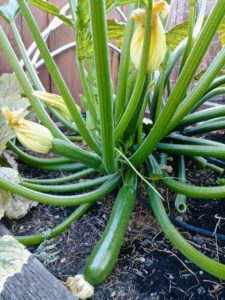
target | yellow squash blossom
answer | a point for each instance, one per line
(158, 38)
(31, 135)
(55, 101)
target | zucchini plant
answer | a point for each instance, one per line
(123, 145)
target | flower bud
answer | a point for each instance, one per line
(55, 101)
(157, 49)
(31, 135)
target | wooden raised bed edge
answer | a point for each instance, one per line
(34, 282)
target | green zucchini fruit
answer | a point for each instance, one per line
(104, 256)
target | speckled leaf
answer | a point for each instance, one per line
(13, 206)
(5, 196)
(221, 32)
(19, 207)
(5, 199)
(83, 30)
(10, 160)
(13, 256)
(176, 35)
(10, 93)
(116, 30)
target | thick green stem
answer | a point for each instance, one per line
(135, 97)
(215, 268)
(124, 67)
(58, 200)
(59, 180)
(159, 105)
(198, 91)
(51, 164)
(67, 188)
(56, 76)
(209, 126)
(131, 128)
(87, 92)
(38, 238)
(216, 82)
(34, 160)
(35, 79)
(198, 192)
(75, 153)
(159, 129)
(105, 93)
(202, 115)
(70, 167)
(203, 163)
(180, 200)
(209, 95)
(195, 141)
(205, 151)
(191, 23)
(27, 87)
(69, 125)
(30, 68)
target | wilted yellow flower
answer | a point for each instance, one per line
(31, 135)
(158, 38)
(55, 101)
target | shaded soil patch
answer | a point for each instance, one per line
(149, 267)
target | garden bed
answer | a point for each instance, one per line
(148, 266)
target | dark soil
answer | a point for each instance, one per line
(149, 267)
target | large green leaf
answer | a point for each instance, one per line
(221, 32)
(116, 30)
(13, 256)
(10, 93)
(6, 134)
(9, 10)
(83, 31)
(52, 9)
(5, 196)
(177, 34)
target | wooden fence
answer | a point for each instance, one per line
(64, 35)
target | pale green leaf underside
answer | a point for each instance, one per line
(13, 206)
(6, 134)
(10, 93)
(13, 256)
(9, 10)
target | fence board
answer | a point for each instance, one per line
(4, 66)
(66, 61)
(42, 21)
(34, 282)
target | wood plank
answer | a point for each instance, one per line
(34, 282)
(66, 61)
(4, 65)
